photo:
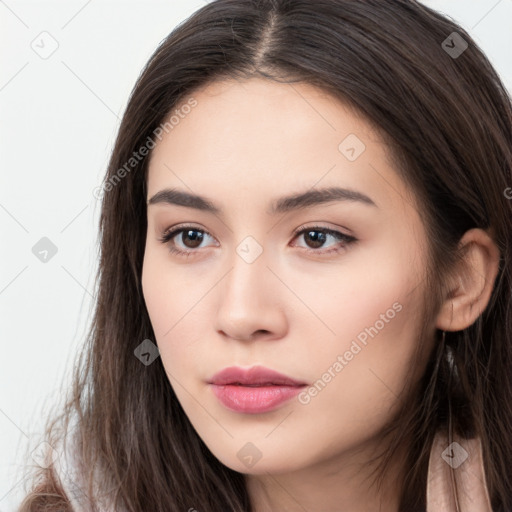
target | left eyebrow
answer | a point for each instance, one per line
(284, 204)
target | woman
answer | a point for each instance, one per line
(321, 189)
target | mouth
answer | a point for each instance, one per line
(254, 390)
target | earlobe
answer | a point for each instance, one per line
(474, 281)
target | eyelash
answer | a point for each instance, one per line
(168, 235)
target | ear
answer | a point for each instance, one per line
(470, 288)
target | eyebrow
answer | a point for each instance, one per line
(285, 204)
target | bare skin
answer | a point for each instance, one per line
(243, 146)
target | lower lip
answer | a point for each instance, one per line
(254, 400)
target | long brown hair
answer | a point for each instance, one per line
(448, 121)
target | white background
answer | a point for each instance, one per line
(59, 118)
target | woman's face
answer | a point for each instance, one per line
(341, 315)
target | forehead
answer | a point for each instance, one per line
(260, 135)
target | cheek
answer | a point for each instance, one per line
(367, 339)
(173, 304)
(169, 291)
(371, 301)
(156, 293)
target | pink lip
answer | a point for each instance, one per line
(254, 376)
(254, 390)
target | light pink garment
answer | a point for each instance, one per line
(461, 464)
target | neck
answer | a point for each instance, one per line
(344, 482)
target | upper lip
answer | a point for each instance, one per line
(254, 376)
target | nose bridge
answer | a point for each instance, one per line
(248, 259)
(248, 269)
(247, 302)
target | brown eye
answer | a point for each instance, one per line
(189, 237)
(191, 234)
(318, 236)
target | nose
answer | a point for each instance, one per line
(251, 301)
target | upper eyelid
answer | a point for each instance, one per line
(176, 230)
